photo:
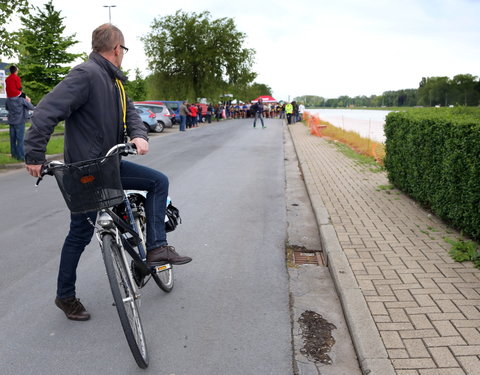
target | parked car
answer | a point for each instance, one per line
(164, 117)
(174, 107)
(149, 119)
(3, 111)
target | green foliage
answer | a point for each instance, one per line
(463, 89)
(433, 155)
(8, 9)
(136, 89)
(464, 251)
(161, 86)
(198, 57)
(43, 51)
(248, 92)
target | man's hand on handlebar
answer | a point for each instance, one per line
(142, 145)
(34, 169)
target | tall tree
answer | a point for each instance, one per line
(465, 85)
(198, 55)
(44, 59)
(8, 9)
(434, 91)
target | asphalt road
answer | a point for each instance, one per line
(229, 311)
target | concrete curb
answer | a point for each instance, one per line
(371, 352)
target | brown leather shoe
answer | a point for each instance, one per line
(73, 308)
(166, 254)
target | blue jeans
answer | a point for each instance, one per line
(17, 134)
(183, 123)
(134, 177)
(258, 115)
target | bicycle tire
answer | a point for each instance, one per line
(164, 279)
(124, 299)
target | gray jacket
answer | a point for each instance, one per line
(18, 110)
(89, 102)
(184, 110)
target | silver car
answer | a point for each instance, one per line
(3, 111)
(149, 119)
(161, 111)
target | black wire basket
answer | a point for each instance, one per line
(91, 185)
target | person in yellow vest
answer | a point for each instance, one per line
(289, 112)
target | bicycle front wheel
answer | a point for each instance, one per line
(125, 299)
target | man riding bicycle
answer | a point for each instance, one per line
(98, 115)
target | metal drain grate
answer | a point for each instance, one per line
(311, 257)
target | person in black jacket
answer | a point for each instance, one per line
(89, 99)
(257, 111)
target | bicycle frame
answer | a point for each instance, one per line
(113, 223)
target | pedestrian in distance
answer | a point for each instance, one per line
(18, 112)
(184, 113)
(289, 112)
(295, 112)
(199, 114)
(282, 110)
(98, 115)
(301, 111)
(258, 109)
(193, 115)
(210, 110)
(218, 112)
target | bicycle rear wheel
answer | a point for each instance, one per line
(163, 275)
(125, 300)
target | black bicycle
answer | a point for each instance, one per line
(95, 185)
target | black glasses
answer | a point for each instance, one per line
(124, 48)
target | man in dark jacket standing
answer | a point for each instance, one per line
(257, 110)
(89, 100)
(17, 108)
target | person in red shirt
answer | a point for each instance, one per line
(193, 116)
(14, 83)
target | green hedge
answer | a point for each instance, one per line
(433, 155)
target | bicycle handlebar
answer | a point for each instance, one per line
(123, 149)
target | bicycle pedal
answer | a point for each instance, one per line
(162, 268)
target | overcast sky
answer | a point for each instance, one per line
(315, 47)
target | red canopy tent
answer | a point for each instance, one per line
(265, 99)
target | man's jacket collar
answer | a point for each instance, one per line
(108, 66)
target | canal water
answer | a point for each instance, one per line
(367, 123)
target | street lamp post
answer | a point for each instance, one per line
(109, 12)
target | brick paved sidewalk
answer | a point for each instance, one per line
(425, 306)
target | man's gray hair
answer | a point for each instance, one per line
(106, 37)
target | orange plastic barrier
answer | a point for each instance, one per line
(316, 129)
